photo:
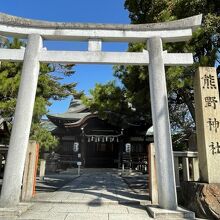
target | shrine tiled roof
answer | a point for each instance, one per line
(76, 112)
(70, 115)
(77, 106)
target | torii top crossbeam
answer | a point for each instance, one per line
(95, 34)
(172, 31)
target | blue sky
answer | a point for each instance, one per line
(92, 11)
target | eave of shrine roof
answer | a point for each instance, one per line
(69, 116)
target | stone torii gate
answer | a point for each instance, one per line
(34, 53)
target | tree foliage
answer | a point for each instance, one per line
(111, 103)
(49, 88)
(204, 45)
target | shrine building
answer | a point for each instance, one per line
(94, 142)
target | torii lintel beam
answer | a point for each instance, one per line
(173, 31)
(83, 57)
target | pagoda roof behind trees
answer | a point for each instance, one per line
(77, 106)
(75, 114)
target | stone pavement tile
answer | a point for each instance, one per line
(45, 207)
(130, 196)
(129, 217)
(60, 195)
(91, 195)
(107, 200)
(17, 210)
(7, 218)
(108, 192)
(94, 189)
(136, 209)
(75, 195)
(108, 209)
(91, 201)
(78, 190)
(74, 201)
(58, 198)
(99, 201)
(69, 208)
(87, 216)
(110, 197)
(127, 201)
(125, 193)
(29, 215)
(42, 195)
(50, 200)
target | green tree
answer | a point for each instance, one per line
(135, 84)
(49, 88)
(204, 45)
(109, 102)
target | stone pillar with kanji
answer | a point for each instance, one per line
(208, 124)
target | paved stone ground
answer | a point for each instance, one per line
(104, 194)
(137, 181)
(96, 194)
(93, 186)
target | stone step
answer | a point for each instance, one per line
(15, 211)
(180, 213)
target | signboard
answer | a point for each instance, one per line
(128, 147)
(76, 147)
(79, 163)
(208, 123)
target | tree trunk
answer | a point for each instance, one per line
(188, 100)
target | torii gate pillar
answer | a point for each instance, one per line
(11, 188)
(162, 136)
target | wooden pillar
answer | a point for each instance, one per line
(83, 150)
(177, 173)
(120, 151)
(186, 176)
(30, 169)
(42, 169)
(195, 168)
(153, 188)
